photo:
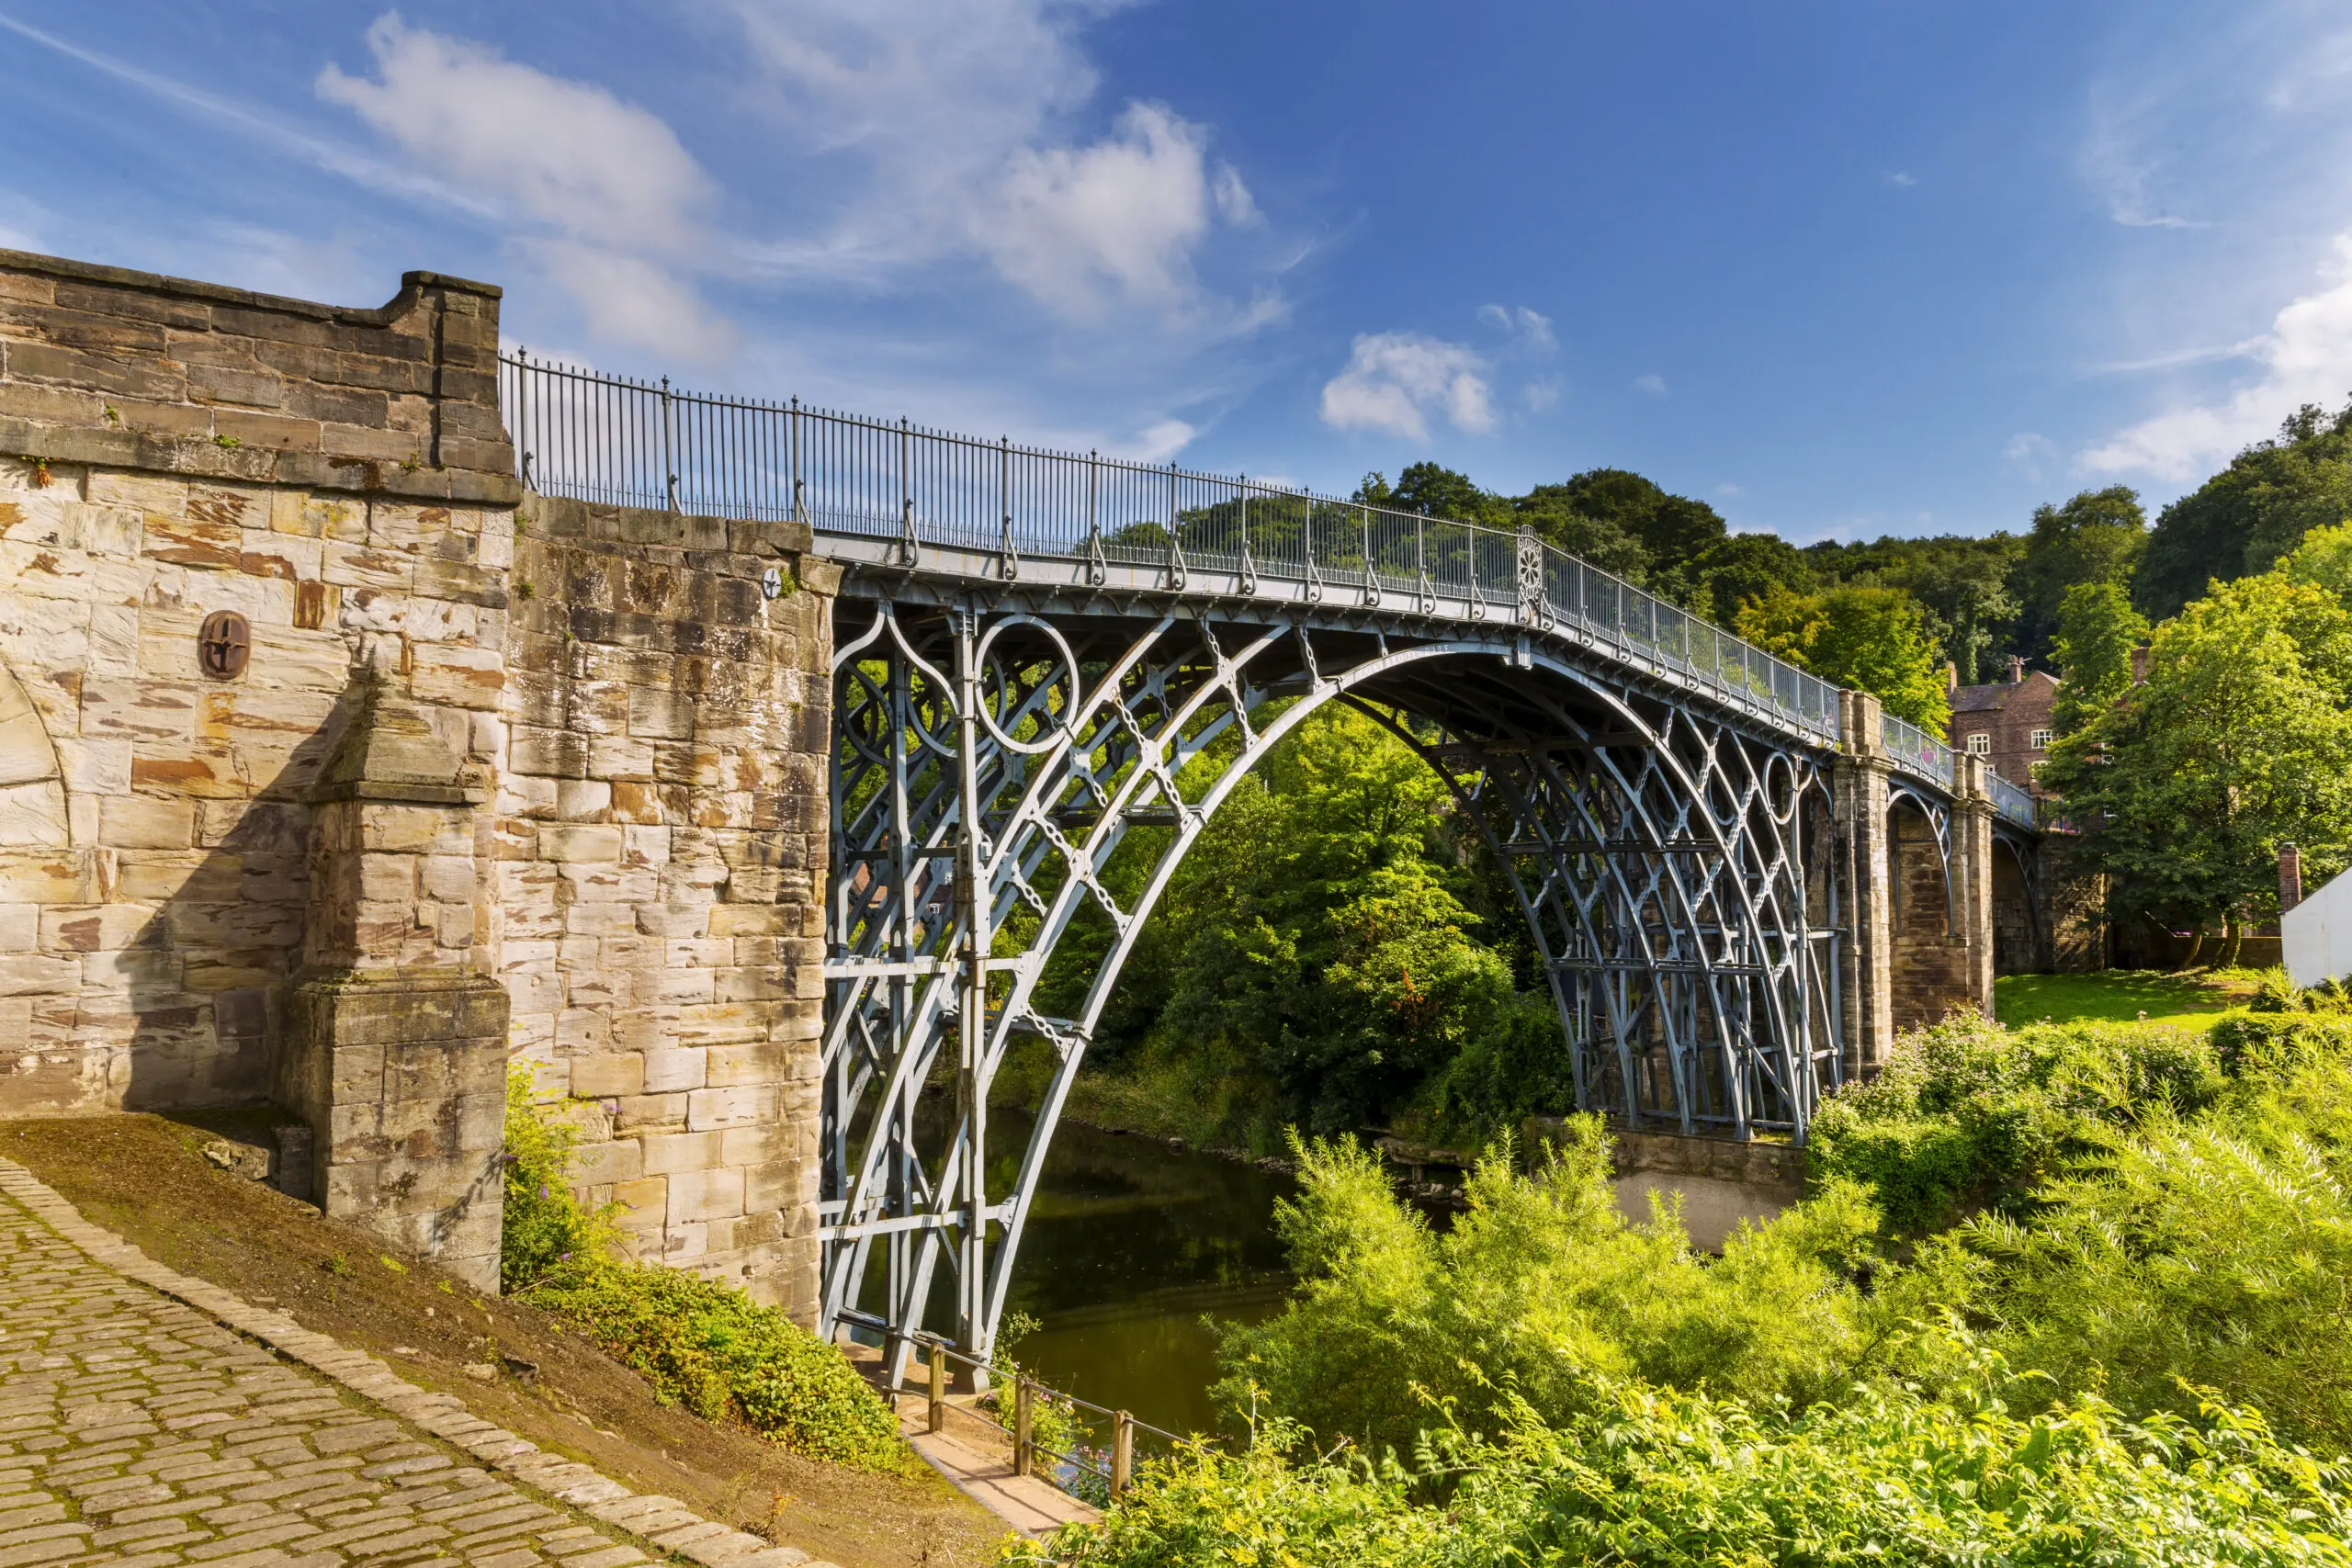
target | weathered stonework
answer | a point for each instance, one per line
(215, 891)
(1917, 935)
(661, 863)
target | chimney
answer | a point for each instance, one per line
(2138, 666)
(2290, 877)
(1951, 677)
(2017, 670)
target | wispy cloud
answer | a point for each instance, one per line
(2306, 357)
(934, 132)
(1527, 328)
(328, 153)
(601, 193)
(1393, 382)
(1653, 384)
(1902, 179)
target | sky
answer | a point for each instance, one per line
(1839, 269)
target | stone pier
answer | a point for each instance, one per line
(337, 769)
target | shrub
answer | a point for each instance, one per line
(701, 1345)
(545, 1223)
(1542, 1282)
(720, 1355)
(2189, 1254)
(1966, 1111)
(1682, 1481)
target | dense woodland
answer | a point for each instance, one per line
(1338, 953)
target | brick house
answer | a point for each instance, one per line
(2008, 722)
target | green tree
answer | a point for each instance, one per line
(1598, 541)
(2241, 741)
(2245, 517)
(1963, 586)
(1435, 491)
(2324, 561)
(1872, 638)
(2097, 630)
(1743, 567)
(2097, 537)
(1673, 531)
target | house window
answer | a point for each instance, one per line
(1980, 743)
(2040, 739)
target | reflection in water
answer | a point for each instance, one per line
(1129, 1242)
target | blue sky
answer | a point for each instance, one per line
(1839, 269)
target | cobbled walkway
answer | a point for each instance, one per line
(138, 1431)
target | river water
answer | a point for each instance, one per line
(1130, 1242)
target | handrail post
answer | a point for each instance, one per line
(937, 1416)
(669, 448)
(1122, 1452)
(1024, 1454)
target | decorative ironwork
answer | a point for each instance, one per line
(992, 760)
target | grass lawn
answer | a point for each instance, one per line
(2121, 994)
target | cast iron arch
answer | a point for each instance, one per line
(1667, 861)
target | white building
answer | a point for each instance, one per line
(2317, 934)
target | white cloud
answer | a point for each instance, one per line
(938, 131)
(608, 202)
(566, 154)
(1158, 441)
(1540, 395)
(1393, 382)
(1903, 179)
(1532, 329)
(2307, 358)
(1128, 211)
(2028, 447)
(1653, 384)
(1729, 491)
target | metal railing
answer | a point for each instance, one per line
(612, 441)
(1914, 750)
(1112, 1468)
(2014, 803)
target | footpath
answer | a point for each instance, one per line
(151, 1420)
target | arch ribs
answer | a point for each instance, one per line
(989, 763)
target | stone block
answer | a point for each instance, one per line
(137, 821)
(666, 1152)
(606, 1074)
(580, 841)
(703, 1195)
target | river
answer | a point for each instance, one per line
(1130, 1242)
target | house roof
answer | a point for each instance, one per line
(2000, 694)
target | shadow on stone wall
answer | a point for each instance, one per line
(206, 977)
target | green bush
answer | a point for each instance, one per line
(703, 1346)
(1967, 1112)
(2187, 1255)
(1540, 1282)
(545, 1224)
(719, 1354)
(1682, 1481)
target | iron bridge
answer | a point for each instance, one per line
(1042, 657)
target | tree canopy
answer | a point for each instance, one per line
(2244, 518)
(2097, 537)
(1872, 638)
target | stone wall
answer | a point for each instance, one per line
(662, 846)
(177, 449)
(573, 806)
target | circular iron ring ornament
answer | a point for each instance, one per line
(223, 645)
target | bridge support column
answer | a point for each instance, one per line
(1941, 881)
(1866, 939)
(1972, 871)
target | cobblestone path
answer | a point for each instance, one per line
(139, 1432)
